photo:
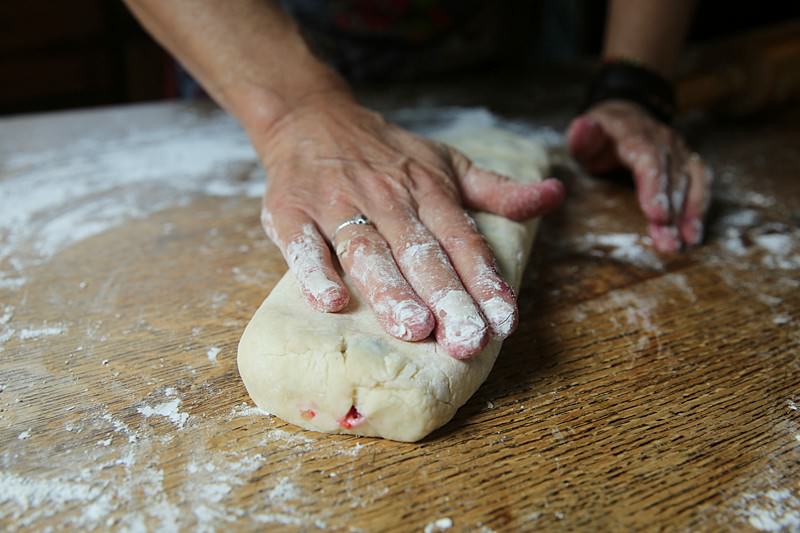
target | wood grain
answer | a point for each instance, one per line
(639, 393)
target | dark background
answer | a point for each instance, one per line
(80, 53)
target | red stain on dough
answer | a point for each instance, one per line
(352, 419)
(307, 414)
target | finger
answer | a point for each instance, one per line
(591, 146)
(697, 201)
(650, 167)
(365, 255)
(666, 237)
(460, 328)
(308, 257)
(678, 183)
(483, 190)
(474, 262)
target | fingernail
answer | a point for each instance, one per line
(461, 330)
(502, 316)
(411, 321)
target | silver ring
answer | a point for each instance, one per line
(359, 219)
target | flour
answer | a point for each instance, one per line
(774, 510)
(459, 318)
(284, 490)
(83, 186)
(36, 333)
(212, 354)
(304, 255)
(442, 524)
(287, 440)
(244, 409)
(11, 283)
(628, 248)
(168, 409)
(500, 315)
(36, 498)
(8, 314)
(745, 233)
(351, 452)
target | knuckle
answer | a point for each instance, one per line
(357, 246)
(463, 238)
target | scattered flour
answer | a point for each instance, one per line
(442, 524)
(288, 440)
(284, 491)
(244, 409)
(168, 409)
(352, 452)
(774, 510)
(36, 333)
(25, 435)
(84, 185)
(212, 353)
(628, 248)
(12, 283)
(8, 314)
(36, 498)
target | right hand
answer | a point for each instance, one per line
(421, 265)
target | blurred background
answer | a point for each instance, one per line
(84, 53)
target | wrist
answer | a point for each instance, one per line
(260, 105)
(629, 81)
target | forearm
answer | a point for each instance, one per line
(248, 54)
(649, 32)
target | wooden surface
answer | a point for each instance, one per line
(639, 393)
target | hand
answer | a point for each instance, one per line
(673, 185)
(421, 264)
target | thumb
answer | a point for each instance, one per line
(484, 190)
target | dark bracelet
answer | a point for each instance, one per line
(624, 80)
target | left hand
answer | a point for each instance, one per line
(673, 184)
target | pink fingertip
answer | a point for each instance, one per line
(666, 239)
(331, 300)
(541, 198)
(465, 349)
(502, 316)
(693, 232)
(552, 193)
(411, 321)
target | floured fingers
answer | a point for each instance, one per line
(308, 256)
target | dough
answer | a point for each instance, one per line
(340, 373)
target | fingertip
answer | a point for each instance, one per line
(330, 300)
(535, 199)
(461, 329)
(464, 351)
(692, 231)
(666, 238)
(411, 321)
(502, 316)
(655, 208)
(555, 192)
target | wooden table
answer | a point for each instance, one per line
(640, 392)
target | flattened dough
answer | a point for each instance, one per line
(311, 368)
